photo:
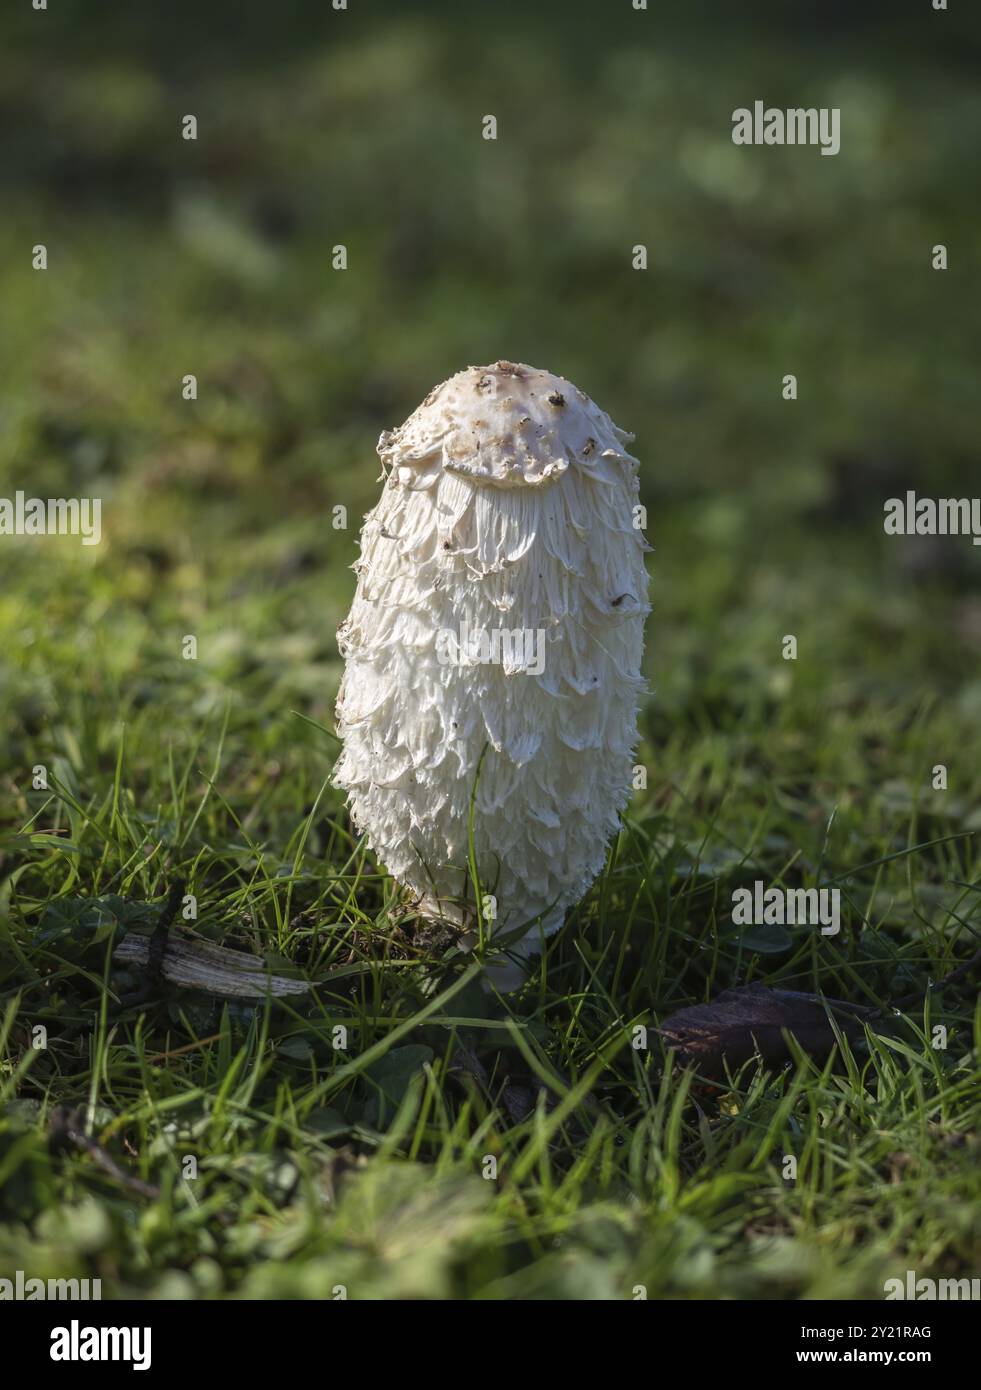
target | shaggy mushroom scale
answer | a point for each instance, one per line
(497, 624)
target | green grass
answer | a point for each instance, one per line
(366, 1166)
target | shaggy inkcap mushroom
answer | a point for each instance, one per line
(497, 625)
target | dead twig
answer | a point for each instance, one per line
(910, 999)
(67, 1131)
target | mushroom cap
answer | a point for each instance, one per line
(508, 425)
